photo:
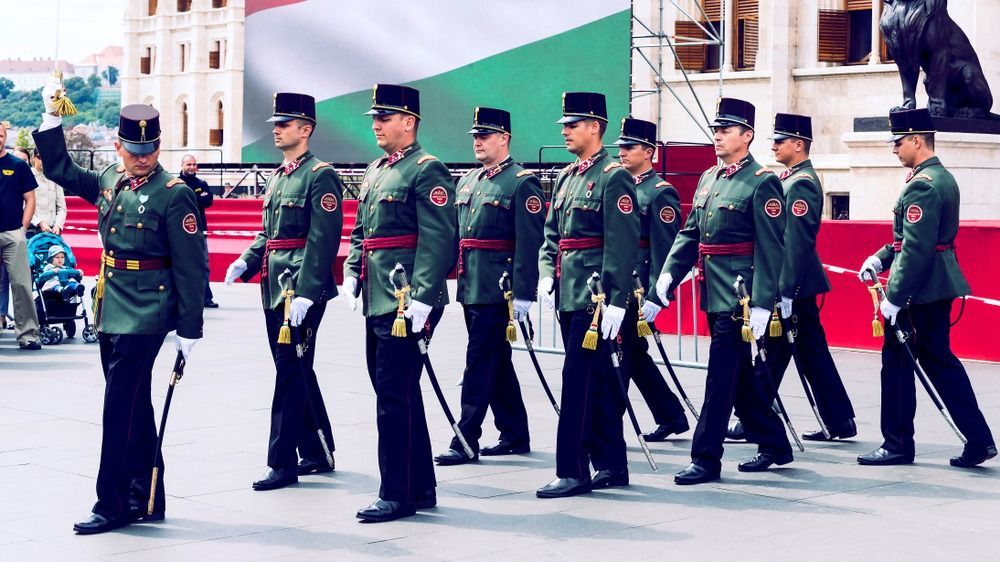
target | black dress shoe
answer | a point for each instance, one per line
(98, 524)
(663, 431)
(385, 510)
(695, 474)
(276, 478)
(564, 488)
(609, 478)
(974, 456)
(33, 346)
(452, 457)
(505, 448)
(312, 466)
(211, 304)
(844, 431)
(736, 432)
(882, 457)
(426, 499)
(763, 461)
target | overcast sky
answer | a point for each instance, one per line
(85, 26)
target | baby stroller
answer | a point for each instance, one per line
(57, 313)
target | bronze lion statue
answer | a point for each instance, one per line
(921, 34)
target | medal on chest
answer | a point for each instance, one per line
(142, 202)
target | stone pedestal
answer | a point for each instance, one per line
(875, 176)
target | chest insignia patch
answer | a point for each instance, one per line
(800, 207)
(914, 213)
(772, 208)
(668, 215)
(625, 204)
(190, 223)
(533, 204)
(439, 196)
(329, 202)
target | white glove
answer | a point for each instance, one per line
(759, 318)
(873, 262)
(785, 306)
(184, 345)
(611, 321)
(650, 310)
(417, 312)
(300, 306)
(348, 290)
(52, 87)
(521, 308)
(545, 286)
(663, 283)
(237, 268)
(889, 312)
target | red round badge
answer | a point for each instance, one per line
(773, 208)
(914, 213)
(800, 207)
(439, 196)
(625, 204)
(668, 215)
(190, 223)
(329, 202)
(533, 204)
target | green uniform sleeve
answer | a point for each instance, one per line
(529, 238)
(919, 238)
(768, 242)
(254, 256)
(800, 233)
(664, 223)
(187, 255)
(61, 169)
(684, 251)
(550, 243)
(886, 255)
(621, 232)
(437, 226)
(352, 265)
(326, 220)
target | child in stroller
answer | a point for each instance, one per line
(59, 289)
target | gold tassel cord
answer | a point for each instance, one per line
(642, 327)
(877, 330)
(746, 332)
(99, 288)
(774, 328)
(591, 337)
(399, 324)
(511, 329)
(63, 105)
(285, 333)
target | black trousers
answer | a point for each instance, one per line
(820, 371)
(931, 342)
(128, 429)
(591, 406)
(404, 445)
(663, 403)
(490, 381)
(293, 429)
(732, 383)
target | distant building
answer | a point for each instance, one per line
(186, 58)
(98, 63)
(32, 74)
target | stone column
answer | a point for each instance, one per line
(876, 57)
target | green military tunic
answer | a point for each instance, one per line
(408, 192)
(925, 221)
(302, 200)
(659, 221)
(802, 272)
(738, 204)
(503, 202)
(592, 199)
(155, 220)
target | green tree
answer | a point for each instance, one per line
(24, 138)
(6, 87)
(111, 75)
(94, 81)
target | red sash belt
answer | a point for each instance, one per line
(280, 244)
(137, 265)
(734, 249)
(478, 244)
(566, 244)
(384, 243)
(897, 247)
(644, 243)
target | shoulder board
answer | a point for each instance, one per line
(425, 158)
(612, 166)
(173, 182)
(321, 165)
(663, 184)
(120, 168)
(763, 171)
(523, 173)
(802, 176)
(922, 177)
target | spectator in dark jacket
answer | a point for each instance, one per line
(189, 173)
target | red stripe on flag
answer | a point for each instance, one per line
(254, 6)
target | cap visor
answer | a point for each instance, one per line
(139, 149)
(570, 119)
(375, 111)
(279, 119)
(478, 131)
(894, 138)
(781, 137)
(720, 123)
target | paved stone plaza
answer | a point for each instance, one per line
(821, 507)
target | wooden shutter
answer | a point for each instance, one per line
(859, 5)
(691, 57)
(746, 9)
(833, 28)
(751, 35)
(152, 8)
(713, 9)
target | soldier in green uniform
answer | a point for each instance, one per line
(924, 283)
(151, 282)
(593, 208)
(660, 219)
(500, 221)
(302, 214)
(406, 215)
(734, 230)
